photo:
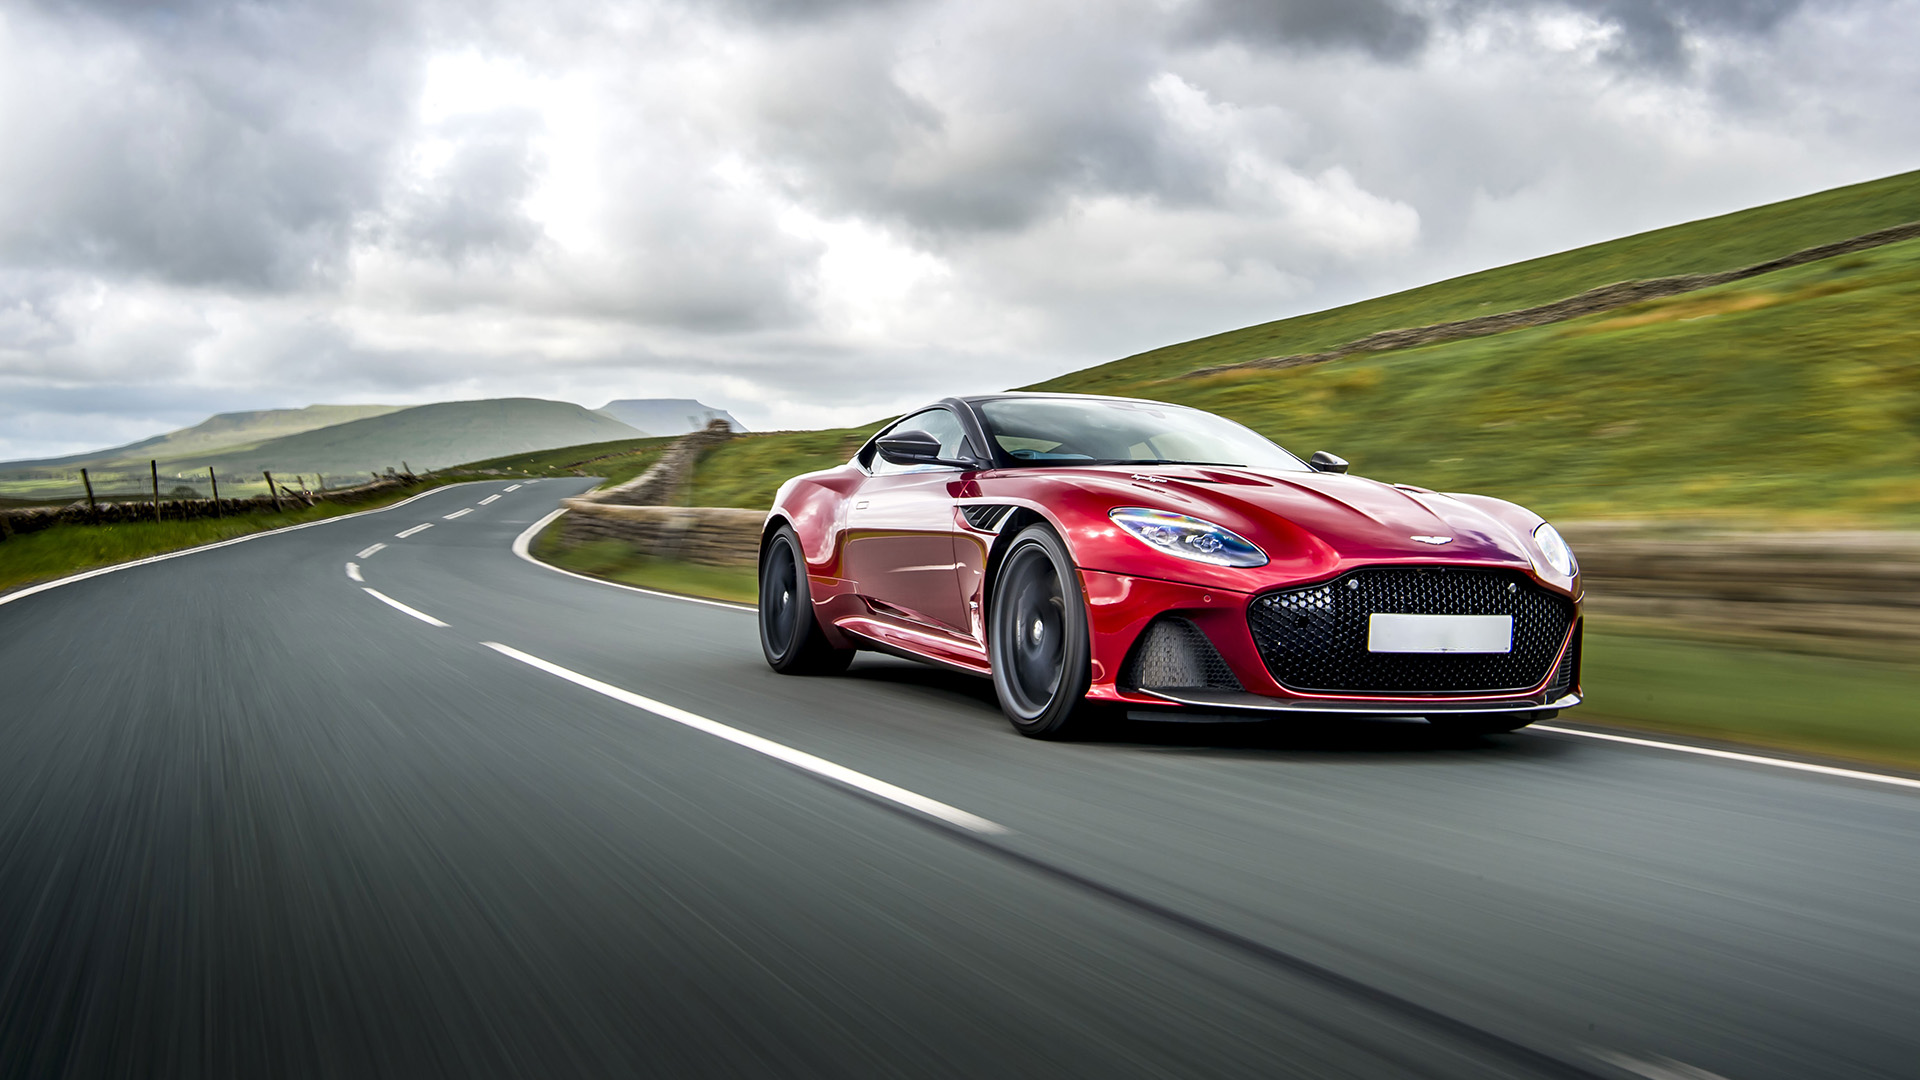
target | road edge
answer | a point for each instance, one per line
(30, 590)
(522, 545)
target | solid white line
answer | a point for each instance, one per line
(1730, 755)
(353, 571)
(368, 553)
(458, 514)
(398, 606)
(488, 499)
(515, 487)
(84, 575)
(520, 548)
(797, 758)
(420, 528)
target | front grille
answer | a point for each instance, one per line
(1314, 637)
(1175, 654)
(1567, 674)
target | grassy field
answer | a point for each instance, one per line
(28, 558)
(1785, 400)
(615, 561)
(617, 461)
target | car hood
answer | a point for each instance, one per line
(1318, 518)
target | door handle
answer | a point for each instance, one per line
(861, 505)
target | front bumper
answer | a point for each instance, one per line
(1121, 607)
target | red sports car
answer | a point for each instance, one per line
(1089, 552)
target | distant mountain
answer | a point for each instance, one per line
(428, 437)
(218, 433)
(667, 416)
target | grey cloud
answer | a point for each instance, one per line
(473, 207)
(1381, 27)
(1657, 35)
(213, 144)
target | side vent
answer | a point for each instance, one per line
(1175, 654)
(987, 517)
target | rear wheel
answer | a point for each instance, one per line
(1037, 638)
(790, 636)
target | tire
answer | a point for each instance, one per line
(1037, 638)
(1488, 723)
(790, 636)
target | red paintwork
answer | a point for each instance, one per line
(907, 573)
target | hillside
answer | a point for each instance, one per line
(222, 431)
(429, 436)
(1791, 397)
(667, 416)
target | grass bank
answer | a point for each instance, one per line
(615, 561)
(31, 558)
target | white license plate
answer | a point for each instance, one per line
(1439, 633)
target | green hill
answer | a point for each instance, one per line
(1791, 397)
(429, 436)
(222, 431)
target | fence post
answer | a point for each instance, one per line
(155, 466)
(215, 481)
(270, 492)
(87, 480)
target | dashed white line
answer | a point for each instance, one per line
(488, 499)
(369, 551)
(353, 571)
(422, 527)
(458, 514)
(398, 606)
(515, 487)
(1729, 755)
(799, 759)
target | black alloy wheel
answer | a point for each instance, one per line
(1037, 637)
(790, 636)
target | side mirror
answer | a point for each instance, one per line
(915, 448)
(1321, 461)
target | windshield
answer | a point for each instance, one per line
(1066, 431)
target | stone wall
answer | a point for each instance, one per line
(639, 513)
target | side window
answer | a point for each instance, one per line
(939, 423)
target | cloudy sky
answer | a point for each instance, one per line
(814, 212)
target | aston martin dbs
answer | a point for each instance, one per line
(1095, 554)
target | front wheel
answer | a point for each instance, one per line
(1037, 637)
(790, 636)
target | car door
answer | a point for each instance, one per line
(899, 539)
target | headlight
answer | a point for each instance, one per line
(1187, 537)
(1558, 554)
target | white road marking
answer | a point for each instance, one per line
(515, 487)
(488, 499)
(799, 759)
(525, 539)
(353, 571)
(458, 514)
(398, 606)
(1656, 1067)
(369, 551)
(420, 528)
(1729, 755)
(21, 594)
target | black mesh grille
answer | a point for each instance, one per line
(1315, 637)
(1174, 653)
(1568, 673)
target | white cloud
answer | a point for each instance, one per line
(818, 214)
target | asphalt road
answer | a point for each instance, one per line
(255, 822)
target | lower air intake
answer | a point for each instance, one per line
(1174, 654)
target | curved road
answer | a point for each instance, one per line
(255, 822)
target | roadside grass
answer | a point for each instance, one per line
(1785, 401)
(30, 558)
(1853, 709)
(615, 561)
(616, 462)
